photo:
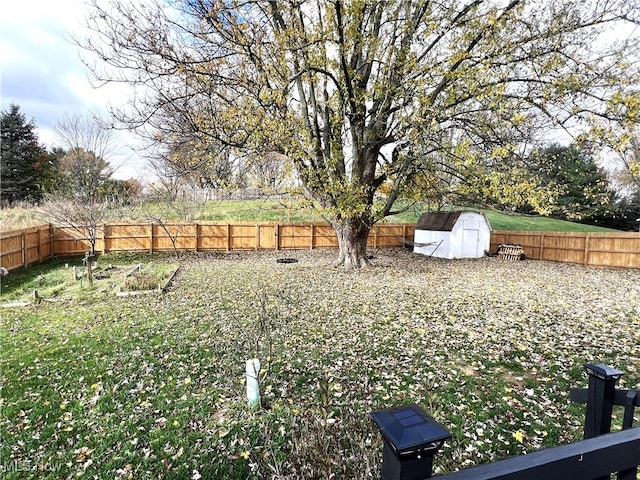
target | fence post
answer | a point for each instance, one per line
(313, 232)
(39, 240)
(627, 422)
(629, 406)
(600, 398)
(104, 238)
(23, 240)
(51, 232)
(257, 234)
(411, 438)
(587, 237)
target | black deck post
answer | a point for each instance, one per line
(394, 467)
(600, 398)
(629, 406)
(627, 422)
(411, 438)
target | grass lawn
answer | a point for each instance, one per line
(287, 211)
(295, 211)
(98, 386)
(506, 221)
(56, 279)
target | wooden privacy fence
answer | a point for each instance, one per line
(21, 248)
(610, 249)
(24, 247)
(202, 237)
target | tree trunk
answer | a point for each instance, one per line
(90, 270)
(352, 241)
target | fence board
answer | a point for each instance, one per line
(213, 237)
(242, 237)
(69, 242)
(614, 249)
(324, 236)
(20, 248)
(386, 235)
(295, 236)
(170, 236)
(11, 250)
(126, 237)
(45, 242)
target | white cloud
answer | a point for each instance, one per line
(41, 70)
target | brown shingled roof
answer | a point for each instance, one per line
(437, 221)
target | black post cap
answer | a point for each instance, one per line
(410, 430)
(602, 371)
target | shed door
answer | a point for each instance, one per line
(470, 243)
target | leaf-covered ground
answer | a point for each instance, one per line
(153, 387)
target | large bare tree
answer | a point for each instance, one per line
(83, 200)
(363, 95)
(86, 132)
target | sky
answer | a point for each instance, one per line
(42, 72)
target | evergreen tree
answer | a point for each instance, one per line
(627, 217)
(23, 159)
(21, 156)
(585, 194)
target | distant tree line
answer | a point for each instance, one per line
(582, 191)
(29, 172)
(74, 185)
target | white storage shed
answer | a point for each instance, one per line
(452, 235)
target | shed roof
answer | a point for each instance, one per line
(437, 221)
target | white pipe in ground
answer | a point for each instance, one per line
(253, 382)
